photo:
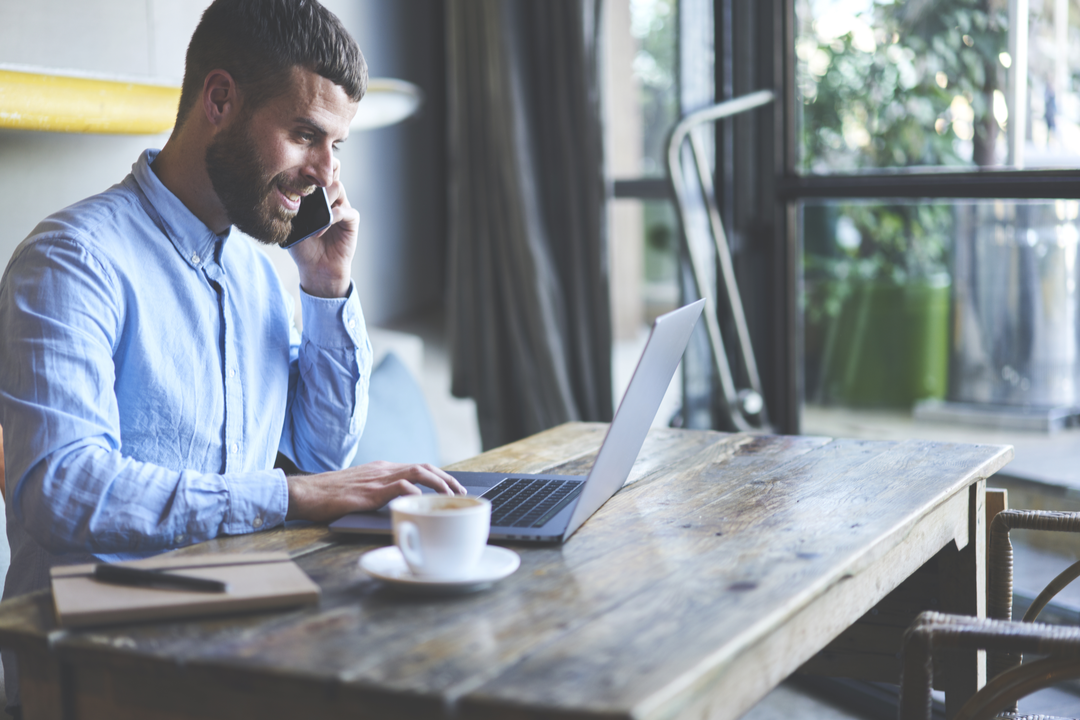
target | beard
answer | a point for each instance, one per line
(245, 188)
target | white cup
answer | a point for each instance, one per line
(441, 536)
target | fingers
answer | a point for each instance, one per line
(386, 493)
(327, 496)
(436, 479)
(335, 190)
(335, 193)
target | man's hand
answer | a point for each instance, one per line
(328, 496)
(325, 261)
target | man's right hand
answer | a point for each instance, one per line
(327, 496)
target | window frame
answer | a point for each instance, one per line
(769, 270)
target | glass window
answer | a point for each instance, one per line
(937, 83)
(969, 301)
(654, 26)
(642, 95)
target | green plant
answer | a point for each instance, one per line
(904, 84)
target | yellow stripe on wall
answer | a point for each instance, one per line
(56, 103)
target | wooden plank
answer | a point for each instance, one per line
(638, 667)
(337, 569)
(141, 691)
(296, 539)
(963, 592)
(855, 653)
(376, 637)
(724, 545)
(625, 667)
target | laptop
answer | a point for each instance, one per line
(550, 508)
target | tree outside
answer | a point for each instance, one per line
(890, 85)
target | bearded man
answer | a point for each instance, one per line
(150, 373)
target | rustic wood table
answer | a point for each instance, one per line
(728, 563)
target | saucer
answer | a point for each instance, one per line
(388, 565)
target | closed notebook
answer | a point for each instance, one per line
(257, 581)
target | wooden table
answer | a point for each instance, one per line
(728, 563)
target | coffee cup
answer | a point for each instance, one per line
(441, 537)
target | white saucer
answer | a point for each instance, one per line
(388, 565)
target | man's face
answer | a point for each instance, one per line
(268, 157)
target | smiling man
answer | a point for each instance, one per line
(149, 370)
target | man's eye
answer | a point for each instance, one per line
(306, 137)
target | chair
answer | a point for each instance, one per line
(934, 631)
(1004, 639)
(399, 426)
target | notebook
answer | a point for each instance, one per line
(257, 581)
(550, 508)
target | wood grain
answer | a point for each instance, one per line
(726, 562)
(812, 547)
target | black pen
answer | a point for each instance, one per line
(121, 575)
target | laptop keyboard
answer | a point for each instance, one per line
(529, 502)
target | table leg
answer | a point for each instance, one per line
(41, 686)
(963, 592)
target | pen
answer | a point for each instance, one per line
(121, 575)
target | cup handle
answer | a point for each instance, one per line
(409, 543)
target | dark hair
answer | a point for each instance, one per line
(259, 42)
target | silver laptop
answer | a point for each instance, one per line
(550, 508)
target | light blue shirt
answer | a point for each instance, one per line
(149, 374)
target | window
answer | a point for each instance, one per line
(642, 107)
(929, 141)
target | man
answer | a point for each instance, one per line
(149, 373)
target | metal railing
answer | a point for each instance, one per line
(745, 406)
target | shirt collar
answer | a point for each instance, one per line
(189, 235)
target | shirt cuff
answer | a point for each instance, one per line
(257, 501)
(333, 322)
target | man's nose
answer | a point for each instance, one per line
(320, 168)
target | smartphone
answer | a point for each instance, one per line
(311, 219)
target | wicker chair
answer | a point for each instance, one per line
(1003, 639)
(935, 631)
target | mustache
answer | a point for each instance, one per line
(302, 190)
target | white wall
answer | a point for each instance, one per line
(43, 172)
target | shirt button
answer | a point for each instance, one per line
(352, 323)
(257, 522)
(232, 373)
(235, 448)
(195, 258)
(178, 540)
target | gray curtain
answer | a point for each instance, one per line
(529, 320)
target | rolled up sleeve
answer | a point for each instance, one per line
(328, 406)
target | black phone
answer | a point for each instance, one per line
(311, 219)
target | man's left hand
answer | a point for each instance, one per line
(325, 260)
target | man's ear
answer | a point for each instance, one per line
(220, 97)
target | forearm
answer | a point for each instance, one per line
(88, 498)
